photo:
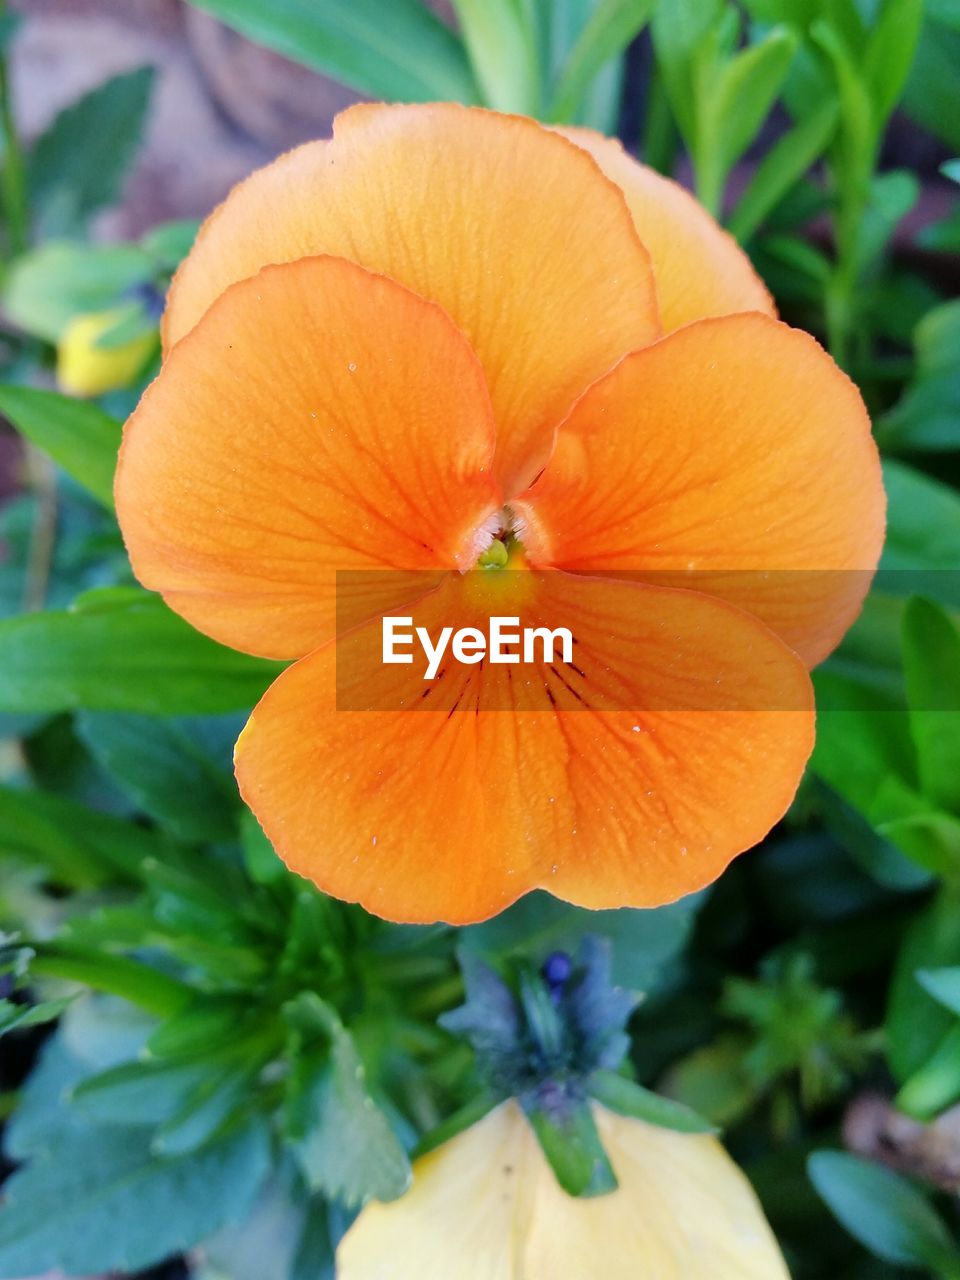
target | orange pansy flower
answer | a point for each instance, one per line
(445, 323)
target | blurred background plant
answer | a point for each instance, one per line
(187, 1029)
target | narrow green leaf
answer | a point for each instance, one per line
(681, 30)
(78, 165)
(881, 1209)
(502, 52)
(100, 1203)
(889, 55)
(858, 138)
(18, 1017)
(398, 51)
(613, 25)
(931, 663)
(628, 1098)
(77, 435)
(80, 846)
(149, 1092)
(142, 985)
(124, 652)
(782, 167)
(210, 1108)
(206, 1021)
(746, 91)
(569, 1139)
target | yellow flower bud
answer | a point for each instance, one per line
(486, 1206)
(86, 369)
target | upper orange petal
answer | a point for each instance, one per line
(608, 781)
(732, 456)
(318, 418)
(700, 269)
(508, 226)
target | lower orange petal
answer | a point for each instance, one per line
(628, 777)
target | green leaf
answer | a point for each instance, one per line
(261, 860)
(613, 25)
(628, 1098)
(18, 1017)
(207, 1021)
(932, 91)
(149, 1092)
(328, 1099)
(211, 1108)
(104, 1202)
(170, 242)
(858, 138)
(141, 984)
(47, 287)
(93, 1034)
(568, 1137)
(178, 771)
(77, 435)
(713, 1081)
(502, 52)
(943, 985)
(923, 533)
(876, 854)
(882, 1210)
(936, 1085)
(931, 662)
(681, 30)
(916, 1023)
(746, 91)
(314, 1258)
(398, 51)
(890, 197)
(890, 52)
(77, 166)
(927, 417)
(79, 846)
(782, 167)
(122, 652)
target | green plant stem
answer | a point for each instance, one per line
(14, 170)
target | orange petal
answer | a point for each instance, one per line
(629, 777)
(319, 418)
(733, 457)
(700, 269)
(508, 226)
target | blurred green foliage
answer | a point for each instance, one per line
(219, 1023)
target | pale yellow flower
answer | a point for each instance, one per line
(486, 1206)
(85, 368)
